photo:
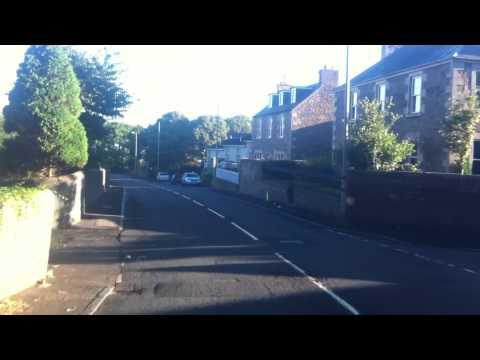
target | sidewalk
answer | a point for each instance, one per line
(84, 262)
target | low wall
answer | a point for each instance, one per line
(25, 242)
(315, 197)
(95, 186)
(227, 175)
(224, 185)
(68, 199)
(415, 200)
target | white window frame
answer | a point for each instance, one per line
(281, 128)
(415, 97)
(378, 95)
(280, 98)
(354, 107)
(259, 128)
(293, 95)
(269, 127)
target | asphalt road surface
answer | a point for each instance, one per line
(193, 250)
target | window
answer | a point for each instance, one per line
(280, 99)
(476, 83)
(415, 94)
(258, 155)
(476, 157)
(282, 126)
(353, 113)
(381, 95)
(270, 101)
(293, 96)
(259, 128)
(269, 129)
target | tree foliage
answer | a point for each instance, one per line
(207, 131)
(44, 109)
(458, 130)
(239, 125)
(102, 95)
(373, 144)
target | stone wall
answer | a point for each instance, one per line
(25, 243)
(415, 200)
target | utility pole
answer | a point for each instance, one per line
(158, 148)
(136, 151)
(343, 198)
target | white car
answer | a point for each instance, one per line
(163, 176)
(191, 178)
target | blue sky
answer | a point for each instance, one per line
(199, 79)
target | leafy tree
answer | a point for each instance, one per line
(3, 134)
(239, 125)
(44, 109)
(116, 149)
(373, 144)
(102, 95)
(209, 130)
(458, 130)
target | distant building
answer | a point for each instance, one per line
(229, 153)
(422, 81)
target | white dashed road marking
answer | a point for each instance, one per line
(186, 197)
(319, 284)
(244, 231)
(198, 203)
(216, 213)
(470, 271)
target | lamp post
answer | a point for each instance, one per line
(136, 151)
(343, 198)
(158, 148)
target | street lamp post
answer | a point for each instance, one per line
(136, 151)
(158, 148)
(343, 199)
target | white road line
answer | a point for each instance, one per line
(95, 305)
(186, 197)
(216, 213)
(176, 193)
(401, 250)
(470, 271)
(451, 265)
(422, 257)
(198, 203)
(319, 284)
(244, 231)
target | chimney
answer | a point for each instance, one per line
(388, 50)
(283, 86)
(328, 77)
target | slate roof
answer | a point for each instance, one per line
(302, 93)
(412, 56)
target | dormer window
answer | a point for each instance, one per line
(293, 96)
(280, 99)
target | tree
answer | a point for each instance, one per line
(209, 130)
(44, 109)
(373, 144)
(3, 134)
(239, 125)
(116, 149)
(102, 95)
(458, 130)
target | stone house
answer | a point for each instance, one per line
(297, 123)
(422, 81)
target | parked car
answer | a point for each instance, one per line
(191, 178)
(163, 176)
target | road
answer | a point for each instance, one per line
(193, 250)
